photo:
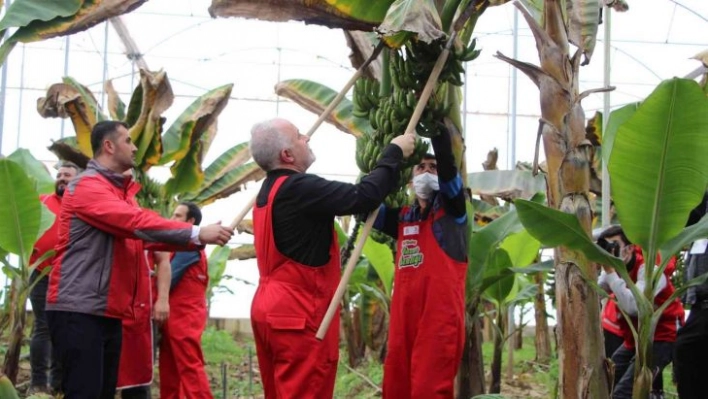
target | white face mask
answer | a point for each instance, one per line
(424, 184)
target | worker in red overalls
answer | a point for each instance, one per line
(298, 256)
(182, 373)
(427, 324)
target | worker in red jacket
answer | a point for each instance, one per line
(102, 235)
(669, 321)
(182, 373)
(42, 362)
(298, 256)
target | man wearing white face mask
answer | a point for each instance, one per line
(427, 325)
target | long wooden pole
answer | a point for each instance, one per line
(325, 114)
(366, 230)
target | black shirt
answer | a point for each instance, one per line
(305, 206)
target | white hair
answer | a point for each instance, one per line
(266, 143)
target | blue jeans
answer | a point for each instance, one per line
(662, 354)
(46, 370)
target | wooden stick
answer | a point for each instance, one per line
(364, 234)
(337, 99)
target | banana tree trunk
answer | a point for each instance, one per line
(542, 339)
(470, 375)
(580, 355)
(495, 384)
(18, 317)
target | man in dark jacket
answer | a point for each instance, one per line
(95, 275)
(691, 354)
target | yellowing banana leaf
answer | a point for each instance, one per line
(187, 174)
(584, 17)
(71, 99)
(406, 17)
(116, 107)
(506, 184)
(193, 124)
(228, 184)
(67, 149)
(229, 160)
(658, 164)
(90, 13)
(22, 12)
(243, 252)
(154, 98)
(344, 14)
(315, 97)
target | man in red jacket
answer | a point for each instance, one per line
(298, 256)
(102, 235)
(671, 318)
(41, 359)
(182, 373)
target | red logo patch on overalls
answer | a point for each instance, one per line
(411, 256)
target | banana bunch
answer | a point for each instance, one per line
(402, 76)
(423, 56)
(469, 53)
(365, 97)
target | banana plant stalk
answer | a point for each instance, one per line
(239, 218)
(366, 230)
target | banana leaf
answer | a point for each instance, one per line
(343, 14)
(242, 252)
(658, 165)
(116, 107)
(521, 248)
(228, 184)
(381, 259)
(506, 184)
(229, 160)
(617, 118)
(90, 13)
(193, 123)
(20, 211)
(43, 181)
(554, 228)
(154, 98)
(67, 149)
(75, 101)
(503, 280)
(315, 97)
(21, 13)
(407, 17)
(7, 390)
(187, 174)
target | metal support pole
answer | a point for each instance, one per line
(67, 45)
(3, 83)
(606, 195)
(19, 101)
(511, 146)
(105, 69)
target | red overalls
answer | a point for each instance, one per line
(136, 354)
(182, 371)
(427, 328)
(287, 310)
(135, 367)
